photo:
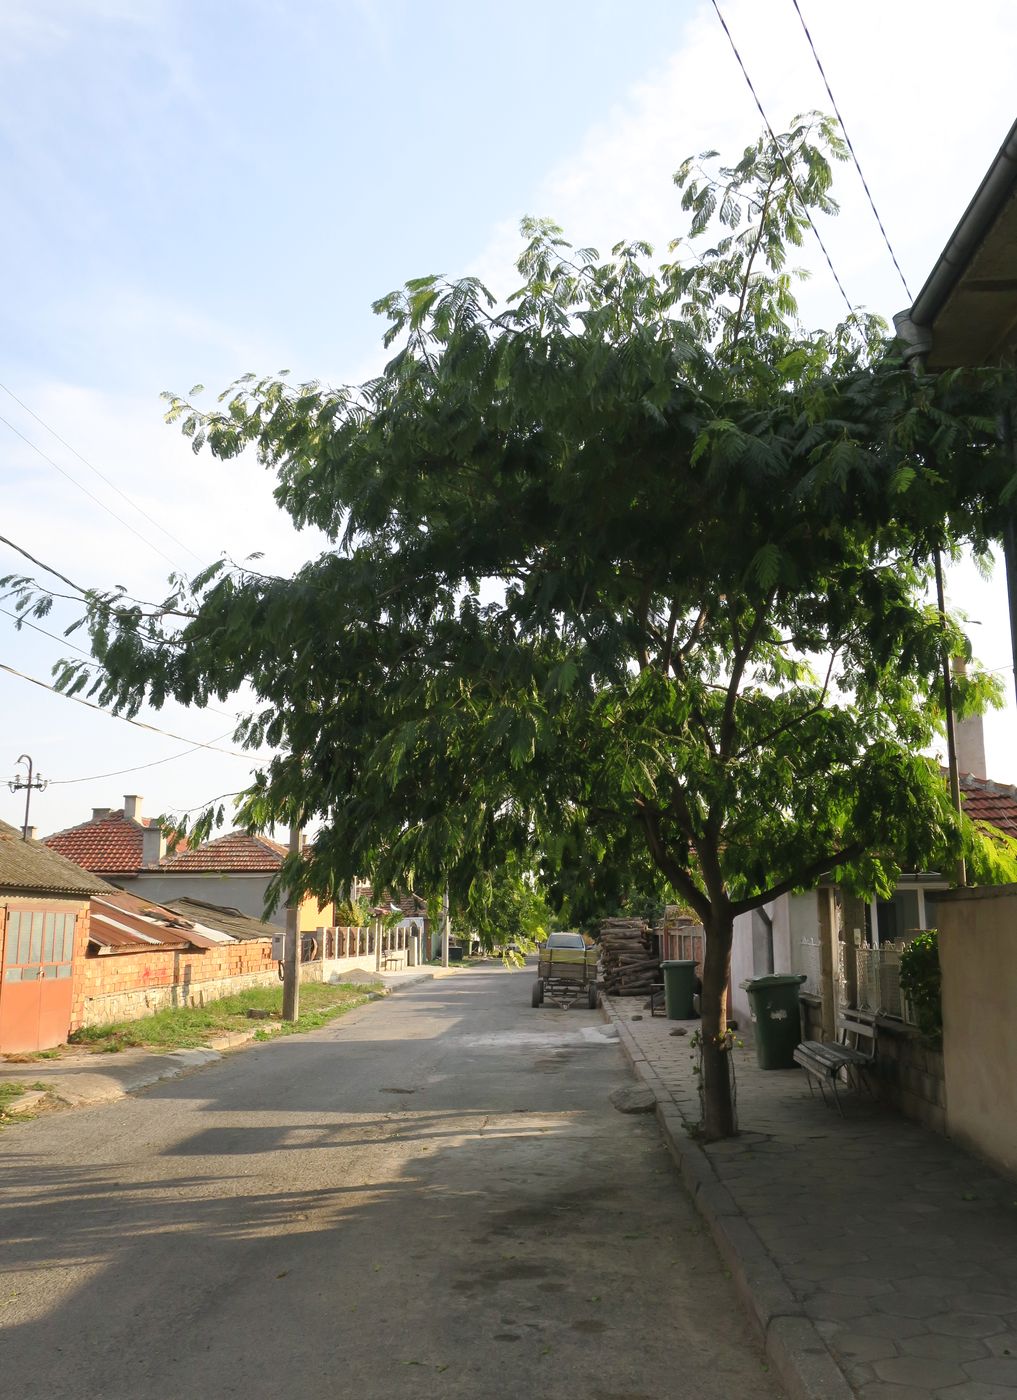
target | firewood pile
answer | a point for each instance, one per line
(628, 959)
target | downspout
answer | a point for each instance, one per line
(917, 343)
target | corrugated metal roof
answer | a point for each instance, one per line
(129, 924)
(31, 867)
(231, 921)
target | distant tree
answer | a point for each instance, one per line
(504, 906)
(633, 568)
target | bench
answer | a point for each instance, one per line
(824, 1060)
(391, 960)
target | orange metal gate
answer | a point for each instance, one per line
(36, 979)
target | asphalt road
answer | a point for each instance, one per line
(432, 1197)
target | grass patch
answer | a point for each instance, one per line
(186, 1027)
(9, 1094)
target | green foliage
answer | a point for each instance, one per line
(921, 981)
(627, 574)
(353, 914)
(504, 906)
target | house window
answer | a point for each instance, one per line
(38, 944)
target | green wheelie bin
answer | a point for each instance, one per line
(776, 1017)
(679, 988)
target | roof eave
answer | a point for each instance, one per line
(989, 199)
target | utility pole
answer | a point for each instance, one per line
(444, 928)
(291, 965)
(34, 781)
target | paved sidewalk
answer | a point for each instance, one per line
(869, 1234)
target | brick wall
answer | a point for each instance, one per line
(123, 986)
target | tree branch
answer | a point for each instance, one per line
(679, 878)
(804, 877)
(796, 719)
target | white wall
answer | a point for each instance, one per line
(243, 892)
(794, 917)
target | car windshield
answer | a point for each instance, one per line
(566, 940)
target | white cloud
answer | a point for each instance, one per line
(925, 91)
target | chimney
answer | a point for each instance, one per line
(153, 845)
(29, 833)
(970, 736)
(99, 814)
(132, 807)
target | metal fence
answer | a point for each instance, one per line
(878, 980)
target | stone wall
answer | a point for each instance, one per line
(908, 1074)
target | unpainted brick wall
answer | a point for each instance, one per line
(122, 986)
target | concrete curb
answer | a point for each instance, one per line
(793, 1346)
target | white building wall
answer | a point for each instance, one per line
(243, 892)
(793, 917)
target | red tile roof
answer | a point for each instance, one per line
(236, 852)
(994, 803)
(107, 846)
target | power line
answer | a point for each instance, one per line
(783, 158)
(119, 772)
(139, 724)
(90, 494)
(101, 475)
(23, 621)
(88, 594)
(854, 154)
(207, 803)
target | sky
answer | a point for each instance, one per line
(196, 190)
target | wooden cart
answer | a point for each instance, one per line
(566, 974)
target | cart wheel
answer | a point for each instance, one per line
(538, 992)
(594, 996)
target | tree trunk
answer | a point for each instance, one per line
(718, 1099)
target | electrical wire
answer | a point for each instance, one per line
(783, 158)
(23, 621)
(126, 719)
(202, 805)
(101, 475)
(854, 154)
(119, 772)
(90, 494)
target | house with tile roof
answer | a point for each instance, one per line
(786, 935)
(114, 843)
(141, 957)
(135, 854)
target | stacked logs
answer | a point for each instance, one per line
(629, 964)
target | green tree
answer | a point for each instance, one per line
(504, 906)
(633, 568)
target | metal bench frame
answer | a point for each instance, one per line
(824, 1060)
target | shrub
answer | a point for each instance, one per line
(921, 982)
